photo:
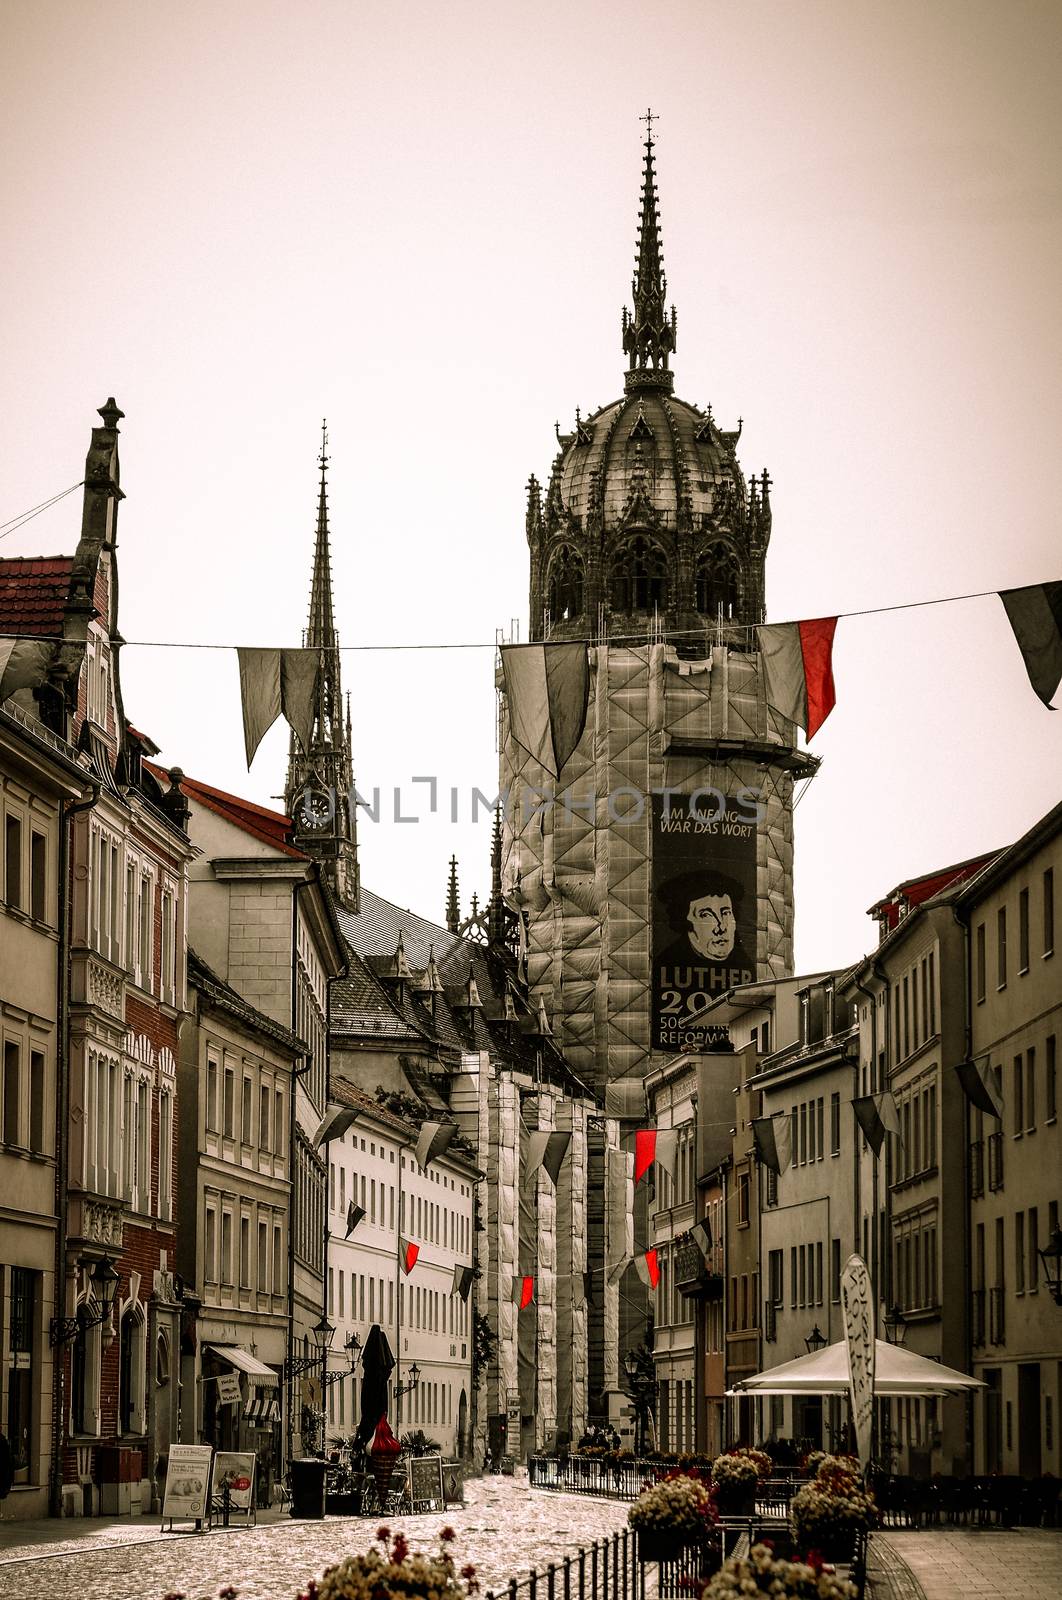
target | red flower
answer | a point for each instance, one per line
(228, 1593)
(383, 1534)
(447, 1535)
(400, 1548)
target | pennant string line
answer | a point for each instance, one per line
(483, 644)
(14, 523)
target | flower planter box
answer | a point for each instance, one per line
(735, 1502)
(664, 1544)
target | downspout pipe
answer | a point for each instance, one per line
(62, 1103)
(967, 1198)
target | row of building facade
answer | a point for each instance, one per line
(950, 1211)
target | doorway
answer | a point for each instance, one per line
(1029, 1459)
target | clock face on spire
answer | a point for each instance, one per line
(315, 810)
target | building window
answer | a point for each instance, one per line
(229, 1115)
(144, 972)
(226, 1247)
(85, 1374)
(1034, 1249)
(979, 963)
(210, 1246)
(1019, 1096)
(212, 1094)
(38, 876)
(835, 1124)
(565, 585)
(835, 1271)
(12, 1091)
(168, 978)
(1030, 1090)
(131, 1371)
(1019, 1252)
(37, 1087)
(165, 1154)
(1050, 1111)
(1049, 911)
(13, 862)
(1023, 931)
(639, 577)
(1001, 948)
(718, 583)
(264, 1098)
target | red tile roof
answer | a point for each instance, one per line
(917, 890)
(270, 827)
(33, 593)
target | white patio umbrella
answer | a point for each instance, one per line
(898, 1371)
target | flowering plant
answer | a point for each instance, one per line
(833, 1506)
(677, 1504)
(735, 1470)
(760, 1460)
(760, 1573)
(393, 1571)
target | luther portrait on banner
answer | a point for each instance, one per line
(704, 913)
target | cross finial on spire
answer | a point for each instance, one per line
(650, 117)
(323, 457)
(649, 334)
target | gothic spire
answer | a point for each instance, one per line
(649, 335)
(321, 630)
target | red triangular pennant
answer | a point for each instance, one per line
(648, 1268)
(644, 1151)
(524, 1290)
(408, 1253)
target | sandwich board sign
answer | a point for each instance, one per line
(234, 1470)
(187, 1494)
(426, 1484)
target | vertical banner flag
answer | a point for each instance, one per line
(648, 1268)
(798, 669)
(1035, 614)
(334, 1123)
(704, 911)
(23, 664)
(773, 1137)
(272, 681)
(701, 1233)
(524, 1290)
(354, 1216)
(434, 1138)
(877, 1116)
(547, 687)
(857, 1299)
(546, 1150)
(659, 1145)
(978, 1083)
(408, 1253)
(462, 1281)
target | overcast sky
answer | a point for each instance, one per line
(419, 220)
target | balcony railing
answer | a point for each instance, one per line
(977, 1169)
(997, 1331)
(695, 1276)
(995, 1161)
(770, 1321)
(977, 1316)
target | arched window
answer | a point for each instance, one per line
(639, 577)
(132, 1370)
(85, 1372)
(565, 585)
(718, 582)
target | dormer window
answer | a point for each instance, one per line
(98, 685)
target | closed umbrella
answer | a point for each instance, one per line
(377, 1364)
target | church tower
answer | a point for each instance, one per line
(319, 793)
(649, 544)
(648, 524)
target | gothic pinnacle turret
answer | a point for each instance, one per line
(649, 335)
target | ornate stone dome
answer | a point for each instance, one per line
(647, 523)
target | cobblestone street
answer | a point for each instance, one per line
(504, 1529)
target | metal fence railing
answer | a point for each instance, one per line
(608, 1570)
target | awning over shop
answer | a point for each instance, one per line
(897, 1372)
(262, 1412)
(244, 1361)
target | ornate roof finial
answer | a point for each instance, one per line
(453, 906)
(649, 335)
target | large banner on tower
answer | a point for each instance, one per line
(704, 912)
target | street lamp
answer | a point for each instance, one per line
(816, 1340)
(322, 1333)
(353, 1348)
(640, 1372)
(410, 1384)
(104, 1280)
(895, 1325)
(1051, 1256)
